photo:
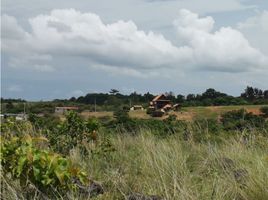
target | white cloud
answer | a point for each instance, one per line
(14, 88)
(43, 68)
(121, 48)
(260, 21)
(11, 28)
(225, 49)
(255, 28)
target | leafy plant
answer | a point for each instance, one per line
(73, 132)
(26, 159)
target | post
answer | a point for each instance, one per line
(95, 107)
(24, 110)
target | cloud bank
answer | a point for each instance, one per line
(122, 48)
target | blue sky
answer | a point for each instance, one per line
(64, 48)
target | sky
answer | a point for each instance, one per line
(64, 48)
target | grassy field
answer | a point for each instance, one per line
(187, 113)
(189, 162)
(172, 169)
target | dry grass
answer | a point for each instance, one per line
(97, 114)
(175, 169)
(187, 113)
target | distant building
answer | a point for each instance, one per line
(160, 105)
(137, 107)
(62, 110)
(160, 102)
(176, 107)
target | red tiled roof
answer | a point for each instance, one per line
(158, 97)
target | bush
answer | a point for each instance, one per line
(48, 121)
(73, 132)
(241, 119)
(121, 116)
(26, 159)
(264, 110)
(209, 125)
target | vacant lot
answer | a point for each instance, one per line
(187, 113)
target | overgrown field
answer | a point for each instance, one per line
(187, 113)
(126, 159)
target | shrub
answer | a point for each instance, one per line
(73, 132)
(26, 159)
(264, 110)
(121, 116)
(208, 125)
(241, 119)
(48, 121)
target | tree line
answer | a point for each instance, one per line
(208, 98)
(114, 100)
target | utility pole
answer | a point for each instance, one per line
(95, 106)
(129, 103)
(24, 111)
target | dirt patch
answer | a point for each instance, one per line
(88, 114)
(187, 116)
(255, 111)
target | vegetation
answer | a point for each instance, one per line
(240, 119)
(26, 159)
(114, 100)
(264, 110)
(134, 158)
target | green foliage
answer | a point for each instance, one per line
(27, 160)
(104, 149)
(264, 110)
(241, 119)
(73, 132)
(47, 121)
(41, 107)
(185, 154)
(121, 116)
(209, 125)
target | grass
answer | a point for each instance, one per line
(216, 111)
(187, 113)
(175, 169)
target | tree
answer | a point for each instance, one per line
(148, 97)
(180, 98)
(212, 94)
(265, 94)
(190, 97)
(249, 93)
(73, 99)
(170, 95)
(9, 106)
(114, 91)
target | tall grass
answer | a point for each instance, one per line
(174, 169)
(177, 169)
